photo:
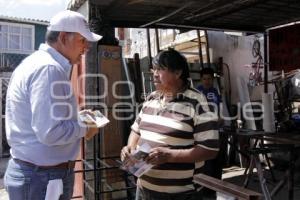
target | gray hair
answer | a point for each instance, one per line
(52, 36)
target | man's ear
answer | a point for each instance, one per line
(62, 37)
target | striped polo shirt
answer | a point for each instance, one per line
(181, 123)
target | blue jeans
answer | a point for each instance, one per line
(24, 182)
(145, 194)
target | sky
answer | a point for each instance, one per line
(32, 9)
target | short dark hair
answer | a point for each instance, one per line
(173, 60)
(208, 71)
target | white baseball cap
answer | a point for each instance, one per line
(70, 21)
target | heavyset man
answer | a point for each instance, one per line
(175, 120)
(41, 114)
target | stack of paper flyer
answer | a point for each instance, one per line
(95, 117)
(136, 164)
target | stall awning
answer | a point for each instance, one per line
(241, 15)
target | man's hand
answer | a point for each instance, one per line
(125, 152)
(159, 155)
(92, 129)
(125, 156)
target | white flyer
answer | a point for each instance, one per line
(54, 189)
(136, 163)
(95, 117)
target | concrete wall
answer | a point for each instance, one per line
(236, 52)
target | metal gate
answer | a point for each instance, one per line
(4, 80)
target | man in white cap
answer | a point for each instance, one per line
(41, 114)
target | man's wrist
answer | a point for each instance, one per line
(173, 155)
(131, 147)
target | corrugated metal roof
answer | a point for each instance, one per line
(242, 15)
(23, 20)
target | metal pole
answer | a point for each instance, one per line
(200, 49)
(207, 48)
(168, 15)
(149, 48)
(144, 85)
(262, 180)
(1, 132)
(129, 80)
(178, 26)
(157, 40)
(95, 173)
(266, 63)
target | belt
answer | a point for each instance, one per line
(64, 165)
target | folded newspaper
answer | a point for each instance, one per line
(136, 164)
(95, 117)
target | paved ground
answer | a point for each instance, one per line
(3, 163)
(232, 174)
(235, 175)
